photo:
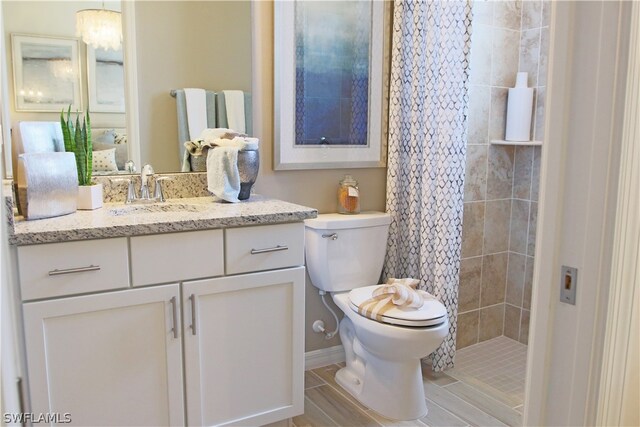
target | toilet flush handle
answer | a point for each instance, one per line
(332, 236)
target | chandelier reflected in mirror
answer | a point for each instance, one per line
(100, 28)
(62, 69)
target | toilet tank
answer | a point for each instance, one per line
(344, 252)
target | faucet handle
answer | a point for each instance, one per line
(130, 166)
(147, 170)
(131, 189)
(158, 194)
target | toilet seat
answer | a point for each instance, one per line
(432, 313)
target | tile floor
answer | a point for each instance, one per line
(497, 366)
(472, 394)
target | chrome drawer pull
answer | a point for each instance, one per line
(262, 251)
(174, 312)
(57, 272)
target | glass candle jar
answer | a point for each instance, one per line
(348, 196)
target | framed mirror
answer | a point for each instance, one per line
(186, 44)
(43, 22)
(166, 45)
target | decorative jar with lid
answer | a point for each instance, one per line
(348, 196)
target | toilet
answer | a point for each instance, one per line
(344, 257)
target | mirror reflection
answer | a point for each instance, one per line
(48, 69)
(178, 44)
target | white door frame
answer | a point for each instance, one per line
(546, 270)
(131, 81)
(619, 387)
(551, 162)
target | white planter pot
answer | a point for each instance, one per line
(90, 197)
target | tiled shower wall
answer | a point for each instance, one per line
(501, 184)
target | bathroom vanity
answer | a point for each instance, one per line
(187, 313)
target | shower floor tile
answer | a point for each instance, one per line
(495, 367)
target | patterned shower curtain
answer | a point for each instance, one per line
(427, 147)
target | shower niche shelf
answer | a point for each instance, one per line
(519, 143)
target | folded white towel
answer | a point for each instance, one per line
(196, 100)
(212, 137)
(186, 165)
(243, 143)
(224, 137)
(234, 103)
(196, 148)
(209, 135)
(223, 177)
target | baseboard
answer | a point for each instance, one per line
(323, 357)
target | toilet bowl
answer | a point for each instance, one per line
(344, 256)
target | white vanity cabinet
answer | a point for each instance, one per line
(110, 359)
(58, 269)
(114, 355)
(161, 258)
(243, 347)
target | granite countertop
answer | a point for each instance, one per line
(184, 214)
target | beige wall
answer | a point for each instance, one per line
(315, 188)
(178, 46)
(186, 44)
(51, 18)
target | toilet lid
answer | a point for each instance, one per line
(432, 312)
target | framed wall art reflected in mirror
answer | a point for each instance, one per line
(105, 80)
(46, 73)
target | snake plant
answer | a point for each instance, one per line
(77, 140)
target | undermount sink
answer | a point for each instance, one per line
(155, 208)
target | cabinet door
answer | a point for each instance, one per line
(244, 348)
(110, 359)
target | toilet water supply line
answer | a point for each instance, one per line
(318, 325)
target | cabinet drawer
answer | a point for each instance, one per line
(175, 257)
(58, 269)
(264, 247)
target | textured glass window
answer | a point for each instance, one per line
(332, 42)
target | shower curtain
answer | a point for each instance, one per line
(426, 150)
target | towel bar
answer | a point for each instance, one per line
(173, 93)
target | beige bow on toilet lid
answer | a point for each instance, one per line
(395, 293)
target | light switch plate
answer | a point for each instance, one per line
(568, 284)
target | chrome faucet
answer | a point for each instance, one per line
(158, 195)
(147, 171)
(145, 194)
